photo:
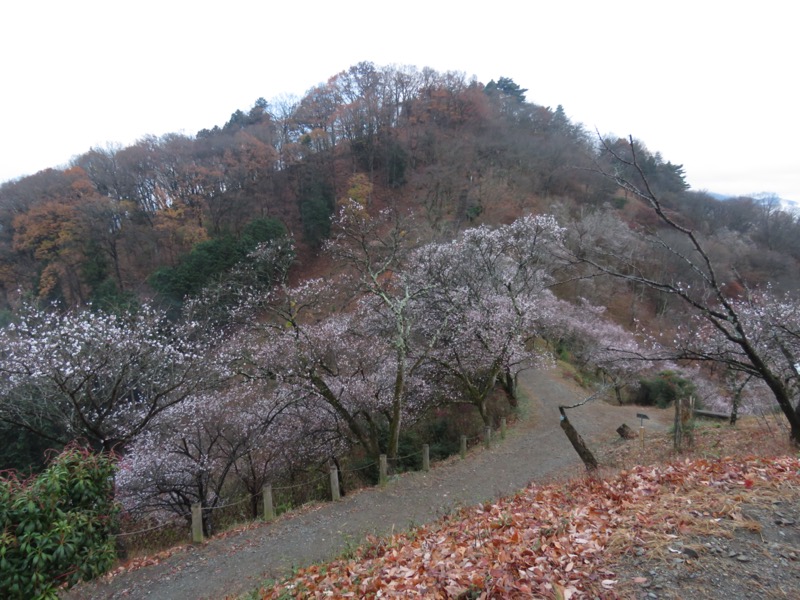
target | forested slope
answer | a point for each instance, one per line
(316, 281)
(452, 149)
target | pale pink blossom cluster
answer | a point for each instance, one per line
(759, 340)
(88, 375)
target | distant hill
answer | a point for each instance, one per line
(785, 203)
(790, 205)
(121, 225)
(720, 196)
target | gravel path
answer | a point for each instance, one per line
(535, 449)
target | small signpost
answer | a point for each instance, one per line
(642, 417)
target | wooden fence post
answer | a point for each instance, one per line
(334, 483)
(487, 437)
(266, 495)
(463, 451)
(503, 426)
(384, 468)
(426, 457)
(197, 523)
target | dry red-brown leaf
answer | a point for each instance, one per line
(544, 541)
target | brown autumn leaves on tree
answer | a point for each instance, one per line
(118, 214)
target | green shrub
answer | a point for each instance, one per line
(211, 259)
(663, 389)
(56, 528)
(619, 202)
(317, 203)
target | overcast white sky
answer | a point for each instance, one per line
(712, 85)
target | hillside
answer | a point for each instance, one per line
(330, 281)
(619, 534)
(455, 151)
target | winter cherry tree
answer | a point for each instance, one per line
(482, 297)
(756, 335)
(743, 395)
(336, 365)
(760, 348)
(193, 451)
(374, 249)
(325, 364)
(100, 377)
(618, 355)
(597, 342)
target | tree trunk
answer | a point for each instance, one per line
(397, 405)
(779, 390)
(253, 504)
(481, 404)
(509, 383)
(684, 416)
(796, 431)
(366, 440)
(677, 427)
(577, 442)
(737, 398)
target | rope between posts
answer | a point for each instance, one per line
(248, 498)
(127, 533)
(297, 485)
(408, 455)
(372, 464)
(242, 501)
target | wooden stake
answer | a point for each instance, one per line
(384, 468)
(334, 483)
(577, 442)
(197, 523)
(266, 495)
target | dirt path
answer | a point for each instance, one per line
(536, 449)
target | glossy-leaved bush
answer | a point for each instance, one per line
(56, 528)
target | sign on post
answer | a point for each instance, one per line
(642, 417)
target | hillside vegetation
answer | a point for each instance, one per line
(317, 280)
(452, 149)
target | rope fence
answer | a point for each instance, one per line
(229, 504)
(408, 455)
(140, 531)
(383, 472)
(367, 466)
(295, 486)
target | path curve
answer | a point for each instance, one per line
(534, 450)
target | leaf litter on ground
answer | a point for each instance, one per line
(553, 541)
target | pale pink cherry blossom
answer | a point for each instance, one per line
(89, 375)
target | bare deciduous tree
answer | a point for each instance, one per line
(757, 336)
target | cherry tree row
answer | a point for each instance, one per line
(309, 371)
(335, 364)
